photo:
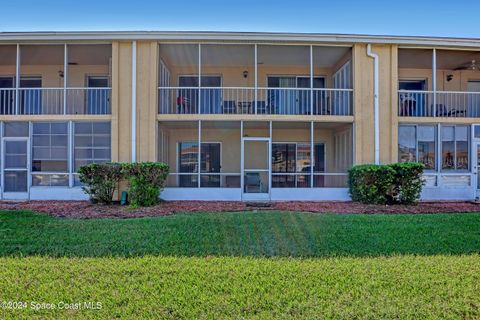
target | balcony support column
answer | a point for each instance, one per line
(256, 78)
(434, 81)
(65, 75)
(17, 80)
(311, 80)
(311, 152)
(199, 80)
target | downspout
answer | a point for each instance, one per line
(134, 101)
(375, 102)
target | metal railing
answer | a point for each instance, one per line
(38, 101)
(446, 104)
(239, 100)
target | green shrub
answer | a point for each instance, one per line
(146, 181)
(386, 184)
(408, 181)
(371, 183)
(100, 180)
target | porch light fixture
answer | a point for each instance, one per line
(245, 74)
(449, 77)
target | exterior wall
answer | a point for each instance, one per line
(147, 117)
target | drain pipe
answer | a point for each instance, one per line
(375, 102)
(134, 101)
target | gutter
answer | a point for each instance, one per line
(134, 101)
(375, 102)
(106, 36)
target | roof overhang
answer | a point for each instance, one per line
(237, 36)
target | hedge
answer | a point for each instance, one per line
(100, 180)
(386, 184)
(145, 181)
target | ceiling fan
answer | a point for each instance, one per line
(472, 65)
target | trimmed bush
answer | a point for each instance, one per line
(146, 181)
(386, 184)
(371, 183)
(100, 180)
(408, 181)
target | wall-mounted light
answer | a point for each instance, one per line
(245, 74)
(60, 73)
(449, 77)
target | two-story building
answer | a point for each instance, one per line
(237, 116)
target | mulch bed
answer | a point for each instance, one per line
(86, 210)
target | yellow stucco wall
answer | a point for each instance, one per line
(147, 117)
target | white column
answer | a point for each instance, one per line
(199, 150)
(199, 78)
(270, 159)
(311, 79)
(65, 76)
(256, 78)
(241, 158)
(311, 152)
(434, 81)
(17, 80)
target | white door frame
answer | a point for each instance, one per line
(15, 195)
(256, 196)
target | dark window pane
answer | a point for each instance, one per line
(319, 154)
(16, 129)
(188, 161)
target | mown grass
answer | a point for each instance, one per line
(261, 234)
(408, 287)
(243, 265)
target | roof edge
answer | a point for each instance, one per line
(236, 36)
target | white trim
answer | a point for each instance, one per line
(65, 75)
(333, 38)
(434, 80)
(256, 78)
(57, 193)
(27, 169)
(134, 101)
(206, 194)
(17, 80)
(375, 104)
(256, 196)
(307, 194)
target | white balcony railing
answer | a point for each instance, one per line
(38, 101)
(238, 100)
(446, 104)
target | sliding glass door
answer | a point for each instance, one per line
(209, 97)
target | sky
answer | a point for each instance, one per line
(459, 18)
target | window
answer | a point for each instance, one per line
(455, 147)
(210, 165)
(188, 163)
(291, 164)
(16, 129)
(417, 85)
(417, 144)
(92, 143)
(50, 154)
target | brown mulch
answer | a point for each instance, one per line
(86, 210)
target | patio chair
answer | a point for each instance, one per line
(253, 182)
(229, 107)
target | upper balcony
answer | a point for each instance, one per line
(55, 79)
(438, 83)
(255, 79)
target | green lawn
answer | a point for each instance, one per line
(216, 266)
(241, 234)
